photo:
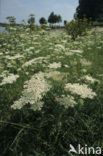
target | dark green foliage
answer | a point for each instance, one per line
(65, 22)
(77, 27)
(59, 19)
(53, 18)
(42, 21)
(91, 9)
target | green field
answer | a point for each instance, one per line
(51, 92)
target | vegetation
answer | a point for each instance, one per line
(65, 22)
(90, 9)
(42, 21)
(78, 27)
(50, 92)
(51, 86)
(11, 19)
(31, 21)
(53, 18)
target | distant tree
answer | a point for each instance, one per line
(42, 21)
(90, 9)
(53, 18)
(59, 19)
(31, 19)
(65, 22)
(11, 19)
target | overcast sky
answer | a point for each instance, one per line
(21, 9)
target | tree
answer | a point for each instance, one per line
(53, 18)
(42, 21)
(31, 19)
(11, 19)
(59, 19)
(65, 22)
(90, 9)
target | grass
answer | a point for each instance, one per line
(50, 130)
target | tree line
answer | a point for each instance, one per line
(87, 8)
(52, 19)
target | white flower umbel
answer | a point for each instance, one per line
(33, 92)
(67, 101)
(55, 65)
(90, 79)
(81, 90)
(33, 61)
(1, 53)
(52, 74)
(18, 56)
(9, 79)
(60, 47)
(55, 75)
(76, 51)
(84, 70)
(84, 62)
(5, 73)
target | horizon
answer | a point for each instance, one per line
(22, 9)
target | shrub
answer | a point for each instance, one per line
(77, 27)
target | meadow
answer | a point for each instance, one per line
(51, 92)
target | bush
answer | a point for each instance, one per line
(77, 27)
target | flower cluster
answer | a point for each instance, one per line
(84, 62)
(33, 92)
(33, 61)
(55, 65)
(67, 101)
(9, 79)
(81, 90)
(90, 79)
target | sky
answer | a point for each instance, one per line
(21, 9)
